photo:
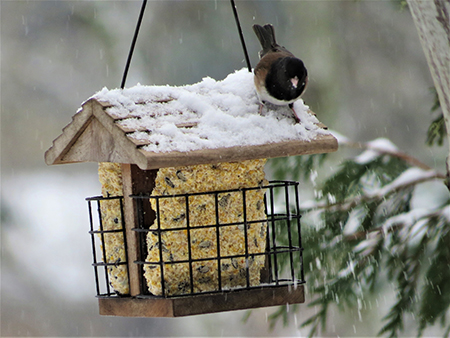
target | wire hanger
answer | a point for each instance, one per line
(138, 26)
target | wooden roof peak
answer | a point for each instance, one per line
(97, 135)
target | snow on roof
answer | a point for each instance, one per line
(207, 115)
(207, 122)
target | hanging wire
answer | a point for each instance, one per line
(233, 6)
(138, 26)
(133, 43)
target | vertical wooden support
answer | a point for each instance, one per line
(136, 181)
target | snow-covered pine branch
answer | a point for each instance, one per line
(409, 178)
(372, 225)
(374, 149)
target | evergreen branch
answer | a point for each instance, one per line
(372, 223)
(380, 194)
(360, 235)
(436, 292)
(383, 151)
(395, 223)
(436, 131)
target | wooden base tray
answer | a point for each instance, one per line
(201, 304)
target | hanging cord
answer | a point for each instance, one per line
(133, 43)
(241, 35)
(138, 26)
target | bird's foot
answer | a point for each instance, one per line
(296, 118)
(261, 105)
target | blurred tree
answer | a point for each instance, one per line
(432, 21)
(371, 226)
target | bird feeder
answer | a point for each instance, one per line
(187, 222)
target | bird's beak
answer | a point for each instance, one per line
(294, 82)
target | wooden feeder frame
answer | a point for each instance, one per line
(94, 136)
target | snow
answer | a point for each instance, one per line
(354, 220)
(409, 176)
(408, 218)
(221, 113)
(374, 149)
(367, 246)
(340, 137)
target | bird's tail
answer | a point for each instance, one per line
(266, 36)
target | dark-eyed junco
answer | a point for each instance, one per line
(280, 77)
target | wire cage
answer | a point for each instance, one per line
(181, 256)
(109, 245)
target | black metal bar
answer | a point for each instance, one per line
(272, 184)
(105, 231)
(161, 265)
(116, 264)
(188, 229)
(247, 263)
(219, 264)
(288, 211)
(274, 243)
(102, 234)
(94, 252)
(206, 226)
(297, 202)
(133, 44)
(241, 36)
(268, 257)
(139, 211)
(101, 198)
(287, 249)
(142, 244)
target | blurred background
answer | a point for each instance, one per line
(368, 79)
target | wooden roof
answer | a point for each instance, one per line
(94, 135)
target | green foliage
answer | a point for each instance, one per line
(436, 131)
(296, 167)
(364, 222)
(436, 291)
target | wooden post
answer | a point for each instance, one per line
(136, 181)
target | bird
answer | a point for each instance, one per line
(280, 78)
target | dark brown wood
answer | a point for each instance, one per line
(201, 304)
(136, 181)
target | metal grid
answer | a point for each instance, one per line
(98, 233)
(283, 254)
